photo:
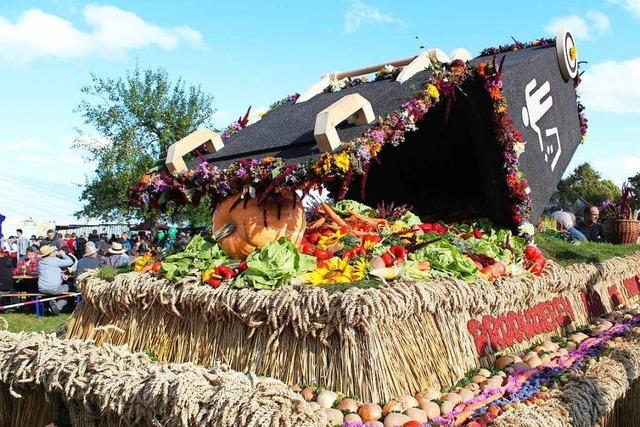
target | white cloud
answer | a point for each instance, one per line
(595, 24)
(361, 13)
(21, 145)
(112, 33)
(632, 6)
(612, 86)
(618, 168)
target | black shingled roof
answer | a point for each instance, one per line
(287, 131)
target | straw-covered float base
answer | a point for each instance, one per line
(47, 380)
(606, 395)
(373, 343)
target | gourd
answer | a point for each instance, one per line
(240, 225)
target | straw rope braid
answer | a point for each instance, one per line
(312, 310)
(109, 382)
(588, 399)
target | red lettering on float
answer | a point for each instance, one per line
(632, 286)
(479, 335)
(614, 293)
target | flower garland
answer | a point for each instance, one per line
(385, 73)
(516, 45)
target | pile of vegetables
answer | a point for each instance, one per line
(350, 242)
(484, 394)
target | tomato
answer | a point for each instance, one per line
(538, 267)
(321, 254)
(412, 423)
(225, 272)
(345, 230)
(306, 248)
(215, 282)
(494, 270)
(354, 253)
(374, 238)
(313, 238)
(242, 266)
(533, 253)
(399, 252)
(156, 266)
(388, 259)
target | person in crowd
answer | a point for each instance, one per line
(112, 239)
(564, 223)
(80, 244)
(71, 243)
(71, 269)
(94, 236)
(22, 243)
(116, 256)
(33, 241)
(590, 227)
(126, 241)
(51, 240)
(52, 261)
(102, 244)
(28, 266)
(89, 260)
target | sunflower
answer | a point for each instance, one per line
(336, 270)
(331, 240)
(360, 269)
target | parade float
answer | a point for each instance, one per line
(413, 294)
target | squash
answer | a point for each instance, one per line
(240, 225)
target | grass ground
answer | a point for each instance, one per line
(566, 253)
(29, 323)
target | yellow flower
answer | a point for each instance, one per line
(326, 241)
(573, 52)
(336, 271)
(433, 92)
(342, 161)
(502, 108)
(360, 269)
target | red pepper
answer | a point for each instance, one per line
(215, 282)
(313, 237)
(433, 228)
(399, 252)
(242, 266)
(345, 230)
(225, 272)
(532, 253)
(322, 255)
(156, 266)
(538, 267)
(354, 253)
(477, 233)
(388, 259)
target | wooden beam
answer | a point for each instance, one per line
(175, 162)
(326, 121)
(419, 63)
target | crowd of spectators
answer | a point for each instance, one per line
(586, 230)
(57, 259)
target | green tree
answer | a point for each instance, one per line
(635, 182)
(587, 184)
(137, 118)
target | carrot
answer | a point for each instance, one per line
(462, 417)
(317, 223)
(333, 216)
(368, 220)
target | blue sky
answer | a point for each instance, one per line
(253, 53)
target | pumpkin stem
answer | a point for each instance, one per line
(223, 232)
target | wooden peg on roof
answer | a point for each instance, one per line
(354, 105)
(175, 161)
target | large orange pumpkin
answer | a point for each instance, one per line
(240, 225)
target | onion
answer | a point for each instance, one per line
(503, 362)
(563, 352)
(478, 379)
(466, 394)
(430, 393)
(348, 405)
(431, 409)
(392, 406)
(353, 418)
(308, 393)
(417, 414)
(407, 401)
(395, 420)
(334, 416)
(326, 399)
(370, 412)
(376, 263)
(447, 406)
(455, 398)
(484, 372)
(373, 424)
(516, 359)
(534, 362)
(296, 388)
(578, 337)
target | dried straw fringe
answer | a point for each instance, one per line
(108, 385)
(373, 343)
(588, 400)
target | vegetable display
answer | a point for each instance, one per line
(346, 243)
